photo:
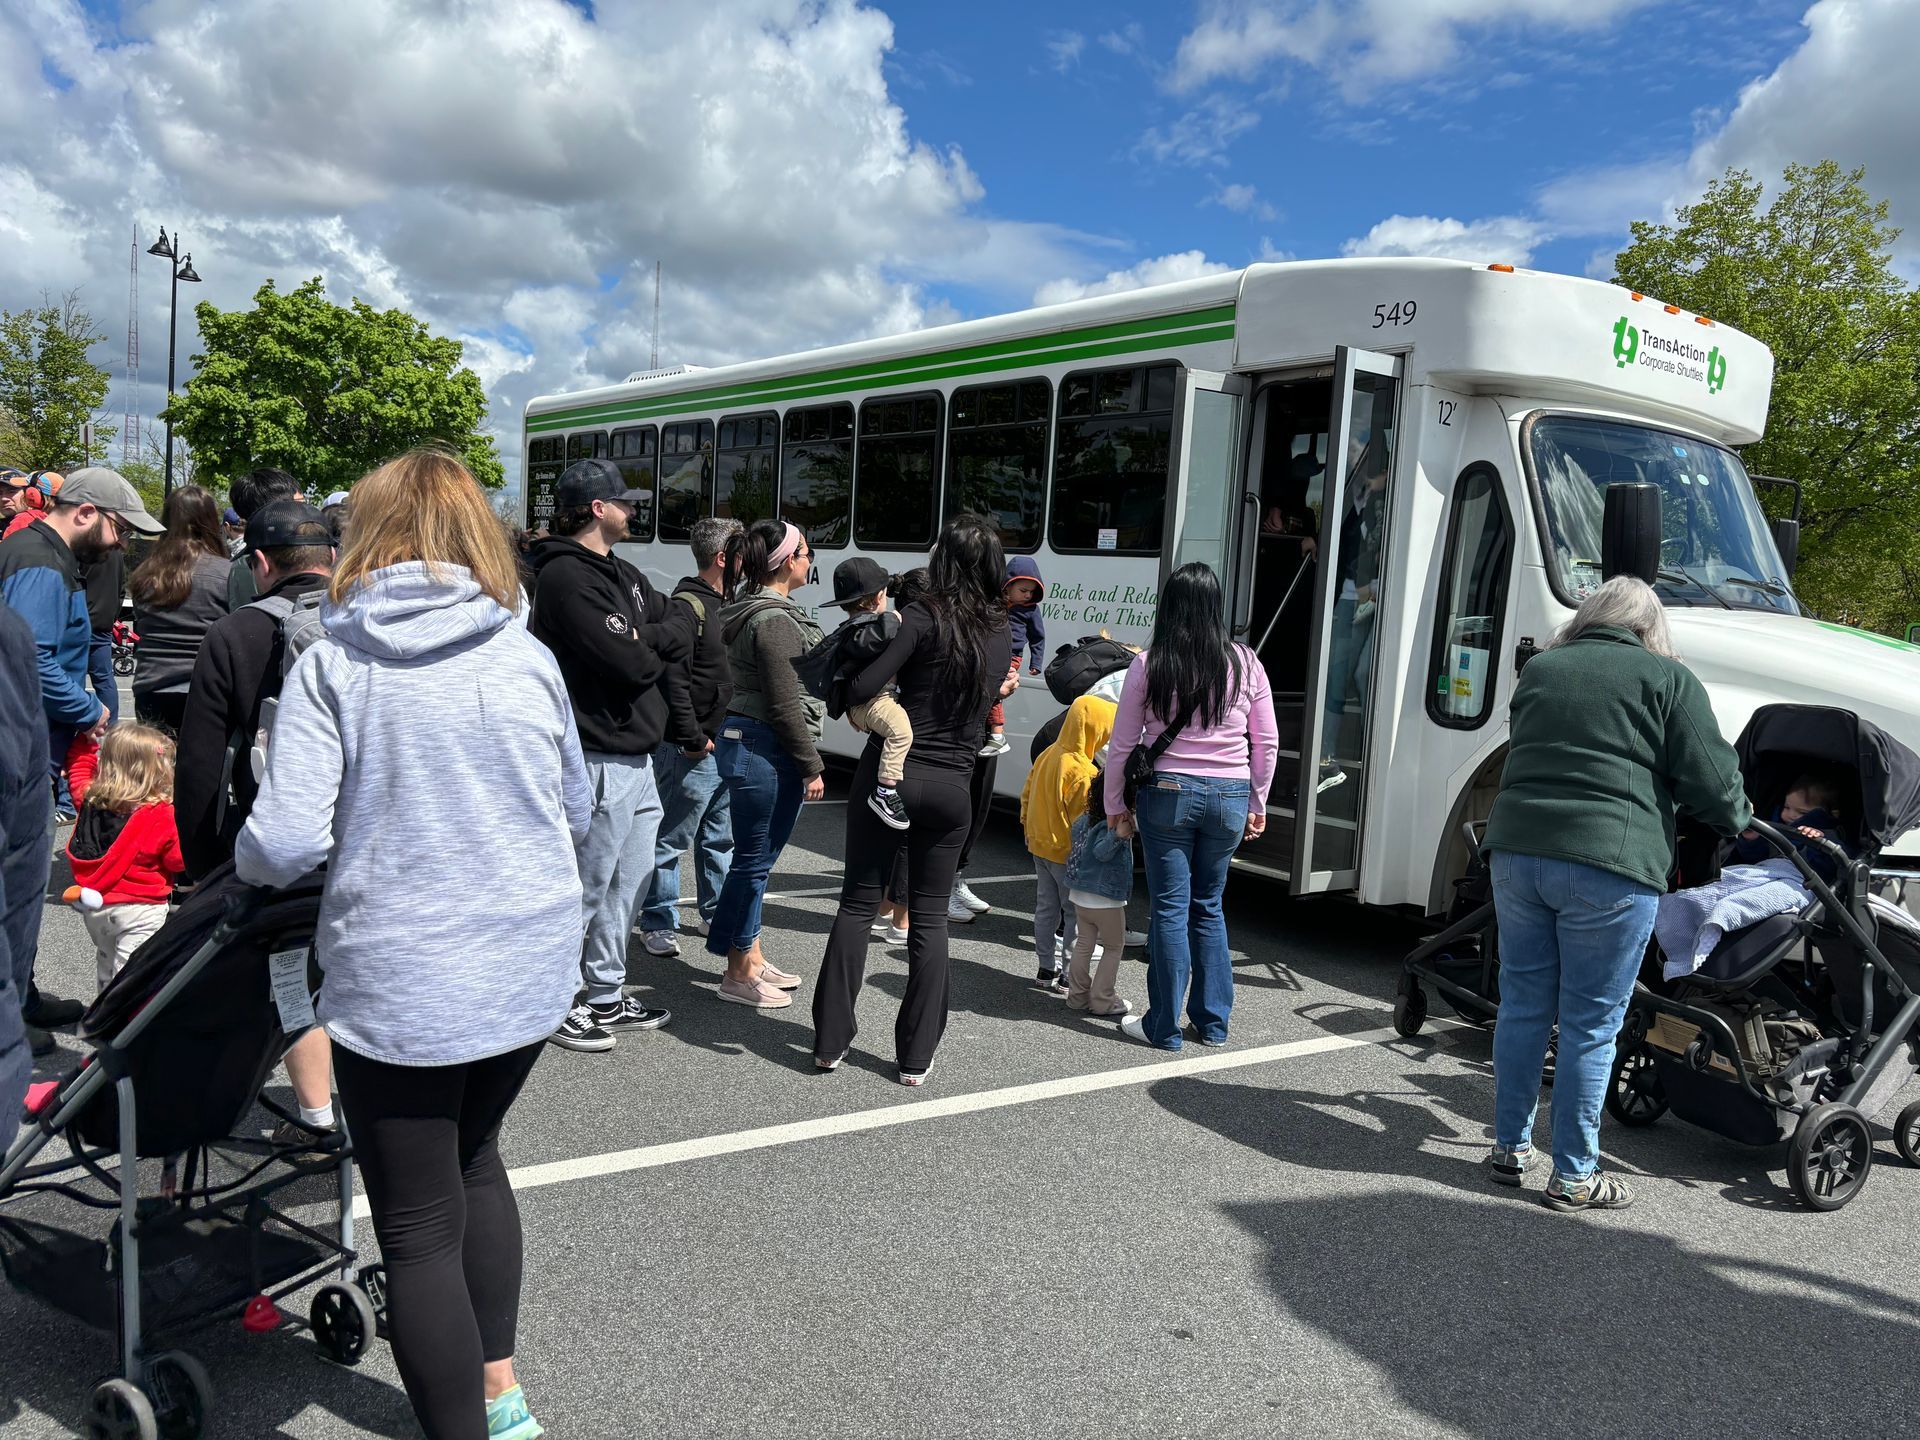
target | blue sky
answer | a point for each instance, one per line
(816, 171)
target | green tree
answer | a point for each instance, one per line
(49, 388)
(1810, 274)
(326, 391)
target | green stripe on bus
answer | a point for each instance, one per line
(684, 404)
(1136, 335)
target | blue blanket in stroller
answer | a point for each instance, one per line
(1689, 923)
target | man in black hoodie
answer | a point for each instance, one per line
(695, 800)
(617, 640)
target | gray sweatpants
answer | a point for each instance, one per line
(1051, 912)
(616, 866)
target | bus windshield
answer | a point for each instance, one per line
(1715, 547)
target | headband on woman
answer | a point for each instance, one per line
(783, 552)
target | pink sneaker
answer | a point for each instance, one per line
(756, 993)
(773, 975)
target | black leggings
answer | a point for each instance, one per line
(980, 797)
(448, 1225)
(938, 802)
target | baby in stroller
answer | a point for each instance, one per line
(1810, 811)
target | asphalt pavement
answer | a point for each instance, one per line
(1066, 1234)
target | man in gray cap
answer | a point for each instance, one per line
(40, 579)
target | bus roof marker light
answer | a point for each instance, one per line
(1671, 309)
(1701, 320)
(1636, 296)
(1501, 269)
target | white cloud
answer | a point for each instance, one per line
(1243, 200)
(1064, 49)
(1200, 136)
(507, 169)
(1362, 43)
(1162, 270)
(1509, 238)
(1130, 39)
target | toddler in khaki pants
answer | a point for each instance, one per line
(1099, 883)
(860, 588)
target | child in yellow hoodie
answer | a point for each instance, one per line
(1054, 795)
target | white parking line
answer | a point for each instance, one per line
(675, 1152)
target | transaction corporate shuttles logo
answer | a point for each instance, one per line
(1654, 351)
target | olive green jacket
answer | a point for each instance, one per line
(1609, 743)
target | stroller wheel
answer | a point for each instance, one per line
(1831, 1153)
(343, 1322)
(1906, 1134)
(182, 1394)
(118, 1411)
(1410, 1008)
(1635, 1095)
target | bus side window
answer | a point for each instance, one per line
(1473, 601)
(1112, 455)
(743, 467)
(686, 477)
(896, 498)
(997, 457)
(816, 473)
(633, 452)
(587, 445)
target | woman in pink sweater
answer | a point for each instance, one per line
(1201, 706)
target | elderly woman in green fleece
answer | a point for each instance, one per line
(1612, 736)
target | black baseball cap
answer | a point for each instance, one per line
(586, 481)
(856, 579)
(283, 524)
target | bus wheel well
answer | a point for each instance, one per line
(1474, 804)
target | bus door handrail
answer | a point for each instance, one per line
(1307, 562)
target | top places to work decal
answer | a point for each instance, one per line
(1651, 350)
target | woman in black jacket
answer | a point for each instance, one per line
(950, 660)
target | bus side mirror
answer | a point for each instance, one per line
(1630, 532)
(1913, 633)
(1786, 539)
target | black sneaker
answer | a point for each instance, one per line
(628, 1014)
(41, 1041)
(64, 815)
(302, 1144)
(1192, 1032)
(48, 1013)
(1047, 979)
(891, 809)
(581, 1031)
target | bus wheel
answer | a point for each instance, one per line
(1410, 1008)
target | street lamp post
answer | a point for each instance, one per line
(182, 268)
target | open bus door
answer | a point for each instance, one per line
(1336, 724)
(1205, 497)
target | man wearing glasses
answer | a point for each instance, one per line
(40, 580)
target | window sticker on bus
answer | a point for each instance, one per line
(1109, 538)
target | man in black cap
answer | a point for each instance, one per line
(288, 552)
(615, 637)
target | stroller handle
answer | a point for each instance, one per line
(1786, 843)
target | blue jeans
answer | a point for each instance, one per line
(100, 670)
(764, 791)
(616, 861)
(1571, 942)
(1052, 911)
(695, 814)
(1190, 825)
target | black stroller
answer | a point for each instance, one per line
(1793, 1028)
(184, 1039)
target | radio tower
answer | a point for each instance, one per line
(130, 425)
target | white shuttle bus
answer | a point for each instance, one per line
(1475, 417)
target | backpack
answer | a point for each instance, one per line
(298, 627)
(1074, 668)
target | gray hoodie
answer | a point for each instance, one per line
(425, 752)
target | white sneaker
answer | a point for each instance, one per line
(1136, 937)
(967, 898)
(957, 911)
(1134, 1027)
(895, 934)
(660, 942)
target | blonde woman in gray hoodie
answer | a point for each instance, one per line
(425, 742)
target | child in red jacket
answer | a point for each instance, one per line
(124, 850)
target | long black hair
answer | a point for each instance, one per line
(1193, 666)
(966, 592)
(746, 555)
